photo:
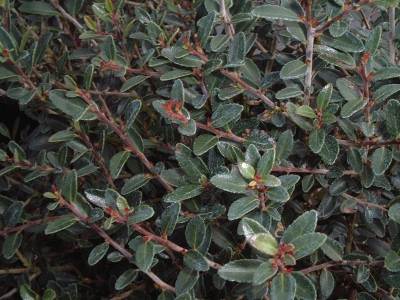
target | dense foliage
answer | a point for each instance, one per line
(209, 149)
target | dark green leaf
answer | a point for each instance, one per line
(97, 253)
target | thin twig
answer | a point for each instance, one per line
(392, 34)
(66, 15)
(328, 265)
(229, 29)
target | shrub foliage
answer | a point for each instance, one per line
(210, 149)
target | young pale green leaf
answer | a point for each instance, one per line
(249, 227)
(242, 270)
(203, 143)
(242, 206)
(264, 242)
(246, 170)
(326, 283)
(183, 193)
(11, 244)
(305, 223)
(144, 255)
(394, 212)
(117, 162)
(306, 111)
(293, 70)
(316, 140)
(283, 287)
(275, 12)
(330, 150)
(62, 223)
(226, 113)
(97, 253)
(194, 260)
(278, 194)
(324, 97)
(381, 160)
(26, 293)
(230, 182)
(134, 183)
(265, 271)
(308, 243)
(125, 279)
(195, 232)
(271, 181)
(305, 288)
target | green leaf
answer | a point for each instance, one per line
(386, 91)
(283, 287)
(62, 136)
(26, 293)
(226, 113)
(141, 213)
(203, 143)
(49, 294)
(24, 96)
(330, 150)
(12, 215)
(324, 97)
(134, 183)
(335, 57)
(11, 244)
(381, 160)
(392, 120)
(169, 217)
(237, 51)
(394, 212)
(132, 82)
(327, 283)
(37, 8)
(264, 242)
(308, 243)
(8, 42)
(306, 111)
(62, 223)
(249, 227)
(348, 89)
(351, 107)
(278, 194)
(266, 162)
(242, 206)
(195, 261)
(175, 74)
(246, 170)
(242, 270)
(144, 255)
(289, 92)
(5, 73)
(392, 261)
(117, 162)
(73, 107)
(347, 42)
(230, 182)
(305, 223)
(316, 140)
(183, 193)
(125, 279)
(97, 253)
(284, 145)
(40, 47)
(333, 249)
(205, 25)
(338, 28)
(265, 271)
(69, 186)
(186, 280)
(293, 70)
(374, 40)
(195, 232)
(305, 289)
(275, 12)
(387, 73)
